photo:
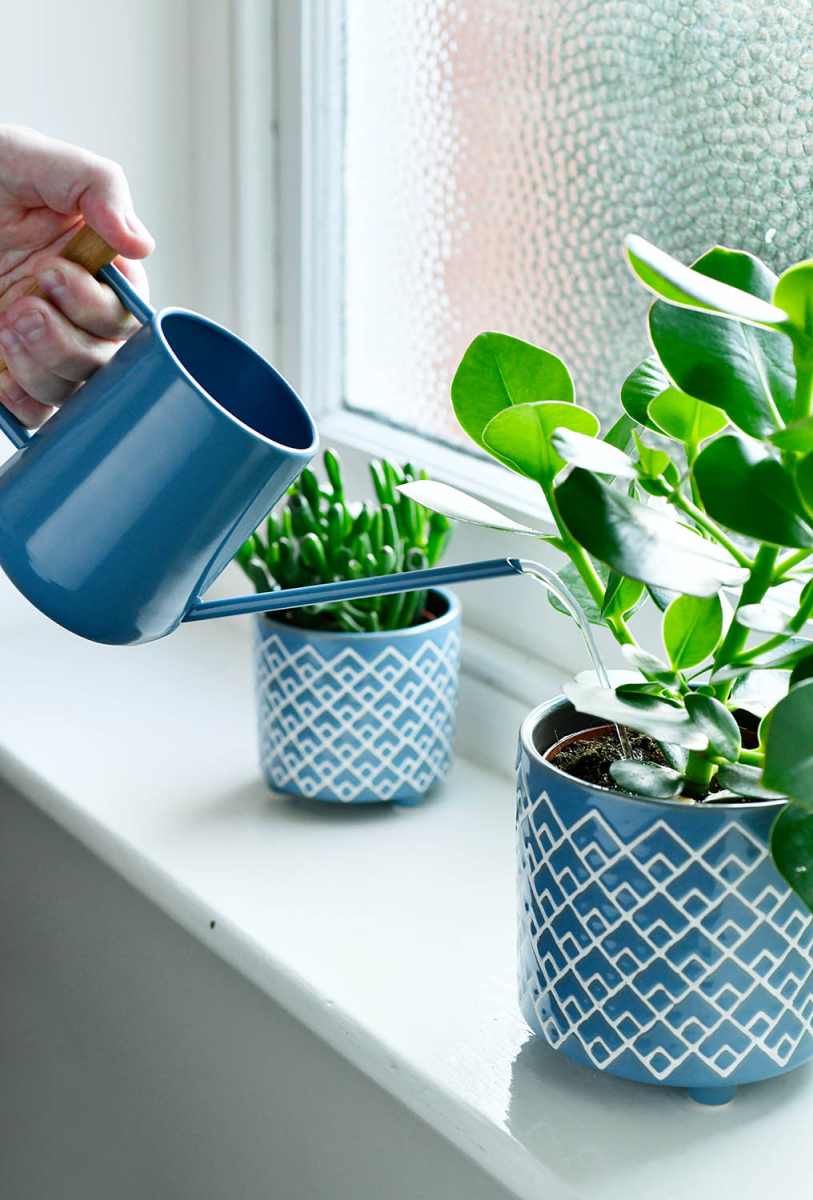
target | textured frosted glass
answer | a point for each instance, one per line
(496, 152)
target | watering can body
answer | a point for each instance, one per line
(121, 510)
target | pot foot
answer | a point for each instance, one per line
(712, 1096)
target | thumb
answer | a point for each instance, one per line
(106, 206)
(39, 170)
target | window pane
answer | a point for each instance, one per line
(497, 151)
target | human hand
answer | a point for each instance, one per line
(51, 344)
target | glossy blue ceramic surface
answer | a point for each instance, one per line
(358, 717)
(121, 510)
(656, 939)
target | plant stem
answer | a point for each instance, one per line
(803, 361)
(586, 569)
(692, 449)
(700, 766)
(754, 758)
(699, 772)
(771, 643)
(794, 625)
(787, 564)
(618, 626)
(754, 588)
(574, 551)
(805, 609)
(710, 527)
(621, 631)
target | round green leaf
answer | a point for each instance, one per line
(573, 581)
(521, 436)
(648, 689)
(652, 462)
(682, 417)
(661, 597)
(647, 779)
(745, 370)
(692, 628)
(797, 436)
(627, 599)
(746, 781)
(641, 543)
(716, 722)
(592, 453)
(641, 387)
(621, 595)
(497, 372)
(459, 506)
(621, 433)
(676, 757)
(794, 292)
(649, 664)
(789, 744)
(641, 711)
(683, 285)
(758, 691)
(792, 849)
(739, 269)
(747, 490)
(802, 671)
(763, 618)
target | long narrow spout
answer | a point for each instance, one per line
(353, 589)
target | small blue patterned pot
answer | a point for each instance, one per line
(657, 941)
(358, 717)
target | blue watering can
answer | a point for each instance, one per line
(122, 509)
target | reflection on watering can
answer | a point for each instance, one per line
(122, 509)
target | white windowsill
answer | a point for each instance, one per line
(388, 932)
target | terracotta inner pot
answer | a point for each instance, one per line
(584, 735)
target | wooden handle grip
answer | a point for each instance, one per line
(86, 248)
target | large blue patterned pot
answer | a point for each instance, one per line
(657, 941)
(358, 717)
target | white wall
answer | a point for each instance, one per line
(136, 1065)
(114, 77)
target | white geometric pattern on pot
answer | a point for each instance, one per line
(657, 949)
(353, 723)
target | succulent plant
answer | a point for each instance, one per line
(319, 537)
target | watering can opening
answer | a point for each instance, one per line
(238, 379)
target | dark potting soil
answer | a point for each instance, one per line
(589, 758)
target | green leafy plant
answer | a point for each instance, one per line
(321, 538)
(700, 500)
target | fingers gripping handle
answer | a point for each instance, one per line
(85, 248)
(94, 254)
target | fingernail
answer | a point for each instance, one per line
(52, 282)
(8, 341)
(14, 393)
(31, 326)
(137, 227)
